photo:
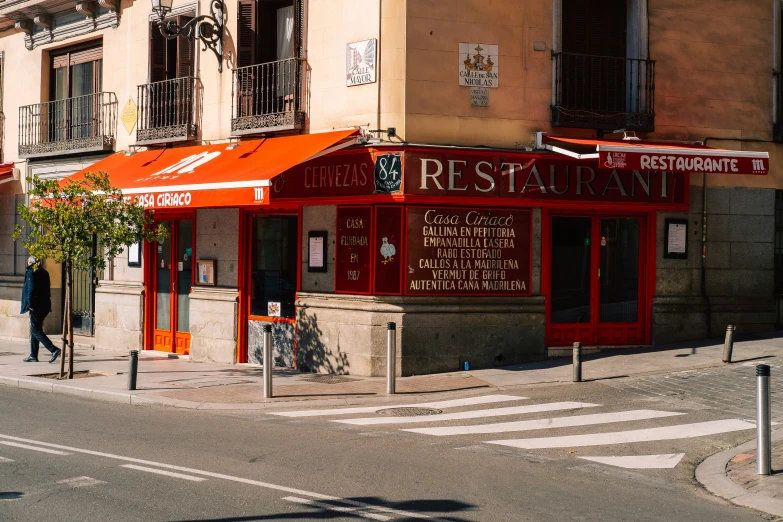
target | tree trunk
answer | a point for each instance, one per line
(64, 339)
(69, 293)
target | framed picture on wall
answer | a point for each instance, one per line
(205, 272)
(134, 255)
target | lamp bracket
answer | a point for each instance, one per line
(207, 28)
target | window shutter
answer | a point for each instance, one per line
(157, 54)
(87, 55)
(60, 61)
(574, 27)
(185, 51)
(247, 37)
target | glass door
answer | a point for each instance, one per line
(173, 262)
(597, 276)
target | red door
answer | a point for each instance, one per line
(173, 276)
(597, 284)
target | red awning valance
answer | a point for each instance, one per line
(219, 175)
(670, 157)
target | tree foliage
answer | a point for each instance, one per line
(64, 218)
(68, 218)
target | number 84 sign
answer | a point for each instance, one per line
(388, 173)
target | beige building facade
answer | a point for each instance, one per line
(84, 81)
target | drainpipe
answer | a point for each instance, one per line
(707, 303)
(378, 58)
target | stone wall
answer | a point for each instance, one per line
(213, 324)
(119, 319)
(346, 334)
(213, 310)
(318, 219)
(739, 272)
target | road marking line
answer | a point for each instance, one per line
(667, 461)
(163, 472)
(267, 485)
(474, 414)
(34, 448)
(470, 401)
(542, 424)
(81, 482)
(323, 505)
(681, 431)
(3, 459)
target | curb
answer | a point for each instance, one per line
(711, 474)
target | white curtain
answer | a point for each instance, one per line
(285, 50)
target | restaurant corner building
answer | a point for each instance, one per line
(470, 173)
(480, 256)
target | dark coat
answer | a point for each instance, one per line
(36, 292)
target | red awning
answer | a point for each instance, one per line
(224, 175)
(6, 173)
(670, 157)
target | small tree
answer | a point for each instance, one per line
(65, 220)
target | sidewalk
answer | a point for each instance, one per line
(731, 474)
(181, 383)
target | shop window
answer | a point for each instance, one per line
(779, 253)
(274, 266)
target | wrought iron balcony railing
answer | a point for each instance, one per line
(169, 110)
(270, 97)
(603, 92)
(69, 126)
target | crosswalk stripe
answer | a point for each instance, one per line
(473, 414)
(164, 472)
(323, 505)
(667, 461)
(541, 424)
(455, 403)
(81, 482)
(34, 448)
(681, 431)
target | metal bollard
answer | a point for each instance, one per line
(391, 358)
(134, 368)
(728, 344)
(763, 425)
(268, 361)
(577, 362)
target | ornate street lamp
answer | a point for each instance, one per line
(207, 28)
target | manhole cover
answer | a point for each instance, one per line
(408, 412)
(329, 379)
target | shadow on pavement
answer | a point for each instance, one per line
(320, 510)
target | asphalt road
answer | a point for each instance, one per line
(67, 458)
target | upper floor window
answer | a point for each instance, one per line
(268, 31)
(76, 71)
(171, 58)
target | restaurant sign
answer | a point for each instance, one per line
(536, 177)
(459, 251)
(676, 160)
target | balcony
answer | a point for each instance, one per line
(69, 126)
(603, 93)
(168, 111)
(270, 97)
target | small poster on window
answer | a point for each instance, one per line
(273, 309)
(206, 272)
(134, 254)
(316, 259)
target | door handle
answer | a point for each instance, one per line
(599, 273)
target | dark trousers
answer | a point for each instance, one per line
(36, 334)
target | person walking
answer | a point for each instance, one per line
(37, 300)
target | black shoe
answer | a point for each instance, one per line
(55, 355)
(30, 359)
